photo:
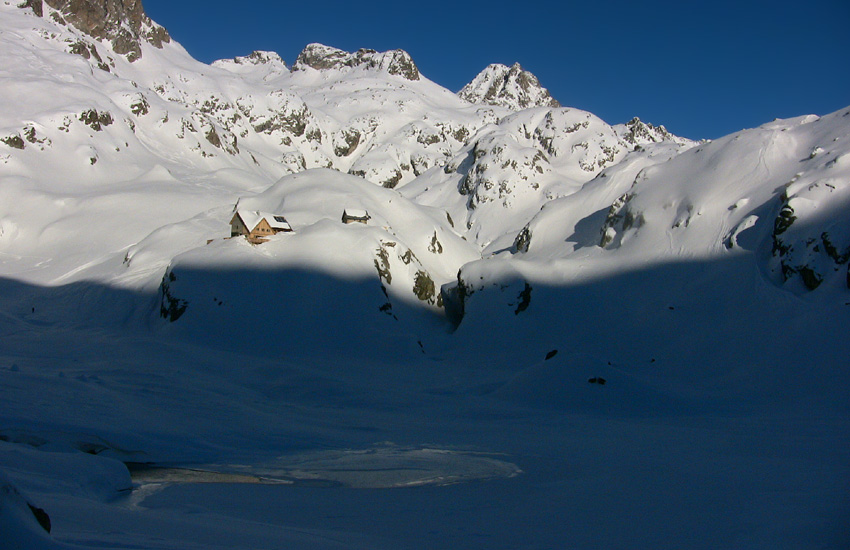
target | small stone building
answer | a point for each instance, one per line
(355, 215)
(256, 225)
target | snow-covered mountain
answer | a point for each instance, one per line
(521, 268)
(104, 121)
(510, 87)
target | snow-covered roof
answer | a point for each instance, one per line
(356, 213)
(252, 218)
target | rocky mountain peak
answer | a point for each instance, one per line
(122, 22)
(259, 58)
(268, 63)
(511, 87)
(321, 57)
(636, 132)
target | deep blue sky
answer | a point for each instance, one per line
(703, 69)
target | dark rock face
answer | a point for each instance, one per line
(423, 287)
(40, 516)
(171, 308)
(96, 120)
(122, 22)
(805, 249)
(522, 240)
(524, 299)
(14, 141)
(36, 5)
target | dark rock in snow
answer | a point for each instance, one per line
(12, 499)
(522, 240)
(14, 141)
(40, 516)
(37, 6)
(524, 299)
(171, 307)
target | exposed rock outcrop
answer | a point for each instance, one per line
(811, 242)
(122, 22)
(638, 133)
(321, 57)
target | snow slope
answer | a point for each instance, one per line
(551, 332)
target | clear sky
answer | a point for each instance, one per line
(703, 69)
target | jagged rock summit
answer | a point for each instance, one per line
(511, 87)
(637, 133)
(122, 22)
(321, 57)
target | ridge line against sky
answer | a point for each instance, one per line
(702, 70)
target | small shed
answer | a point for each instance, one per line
(355, 215)
(256, 225)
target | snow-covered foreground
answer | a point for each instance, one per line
(731, 435)
(550, 332)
